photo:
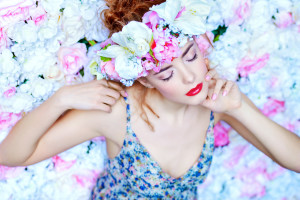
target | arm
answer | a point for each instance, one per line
(44, 132)
(275, 141)
(243, 131)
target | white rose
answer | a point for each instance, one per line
(128, 66)
(73, 28)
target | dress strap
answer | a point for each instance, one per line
(128, 121)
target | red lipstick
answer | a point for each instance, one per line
(195, 90)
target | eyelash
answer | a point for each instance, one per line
(194, 58)
(166, 79)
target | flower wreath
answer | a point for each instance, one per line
(147, 45)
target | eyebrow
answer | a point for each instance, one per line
(184, 53)
(164, 69)
(187, 50)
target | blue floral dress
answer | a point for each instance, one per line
(133, 174)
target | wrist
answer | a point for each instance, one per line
(59, 101)
(238, 110)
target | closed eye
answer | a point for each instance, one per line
(166, 79)
(194, 58)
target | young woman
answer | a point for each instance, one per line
(159, 131)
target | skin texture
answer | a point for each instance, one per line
(78, 113)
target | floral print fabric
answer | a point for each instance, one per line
(133, 174)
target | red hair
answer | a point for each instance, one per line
(118, 14)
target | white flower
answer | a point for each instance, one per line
(73, 27)
(192, 18)
(135, 36)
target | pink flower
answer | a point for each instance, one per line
(62, 165)
(87, 178)
(237, 153)
(272, 107)
(221, 135)
(283, 19)
(4, 40)
(109, 69)
(250, 65)
(12, 12)
(38, 15)
(203, 43)
(10, 92)
(10, 172)
(9, 119)
(251, 178)
(72, 58)
(242, 10)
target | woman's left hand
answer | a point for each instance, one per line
(223, 95)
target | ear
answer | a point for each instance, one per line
(145, 82)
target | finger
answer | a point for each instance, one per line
(218, 87)
(111, 92)
(211, 74)
(228, 87)
(117, 86)
(107, 100)
(103, 107)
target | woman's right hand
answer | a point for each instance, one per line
(96, 94)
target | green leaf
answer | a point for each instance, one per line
(105, 59)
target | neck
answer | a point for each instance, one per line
(170, 110)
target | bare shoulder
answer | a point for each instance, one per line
(109, 125)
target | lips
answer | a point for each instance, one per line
(195, 90)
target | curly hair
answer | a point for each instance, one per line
(118, 14)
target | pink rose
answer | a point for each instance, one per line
(109, 69)
(4, 40)
(203, 43)
(272, 107)
(87, 178)
(242, 10)
(14, 11)
(9, 119)
(10, 92)
(221, 135)
(283, 19)
(38, 15)
(10, 172)
(62, 165)
(72, 58)
(236, 154)
(250, 65)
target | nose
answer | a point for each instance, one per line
(188, 76)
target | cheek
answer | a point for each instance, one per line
(169, 91)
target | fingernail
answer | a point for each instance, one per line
(126, 94)
(207, 78)
(214, 97)
(224, 93)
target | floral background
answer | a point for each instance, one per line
(47, 44)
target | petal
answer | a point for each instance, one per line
(168, 10)
(112, 51)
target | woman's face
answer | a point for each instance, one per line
(183, 81)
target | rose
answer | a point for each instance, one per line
(9, 119)
(250, 65)
(242, 10)
(53, 73)
(10, 92)
(221, 135)
(72, 58)
(38, 15)
(4, 40)
(283, 19)
(272, 107)
(62, 165)
(73, 27)
(12, 12)
(10, 172)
